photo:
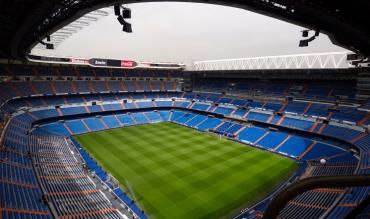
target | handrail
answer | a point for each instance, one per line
(359, 209)
(282, 199)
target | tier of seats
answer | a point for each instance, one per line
(20, 195)
(66, 184)
(8, 90)
(306, 108)
(78, 72)
(314, 203)
(17, 175)
(308, 89)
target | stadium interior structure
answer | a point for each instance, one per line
(318, 117)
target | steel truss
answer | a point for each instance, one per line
(300, 61)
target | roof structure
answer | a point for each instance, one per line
(23, 23)
(334, 60)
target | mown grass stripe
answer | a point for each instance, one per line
(177, 172)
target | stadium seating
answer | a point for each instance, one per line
(239, 113)
(93, 124)
(272, 140)
(295, 146)
(346, 134)
(209, 123)
(258, 116)
(76, 126)
(165, 115)
(111, 121)
(297, 107)
(196, 120)
(298, 136)
(126, 120)
(184, 118)
(71, 196)
(321, 150)
(153, 116)
(251, 135)
(223, 110)
(297, 123)
(201, 106)
(311, 89)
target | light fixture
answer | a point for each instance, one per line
(117, 10)
(126, 13)
(305, 33)
(47, 45)
(127, 27)
(305, 42)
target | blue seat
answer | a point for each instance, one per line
(94, 124)
(250, 135)
(210, 123)
(295, 146)
(111, 121)
(272, 140)
(76, 126)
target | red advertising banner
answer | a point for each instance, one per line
(128, 64)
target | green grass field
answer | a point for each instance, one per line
(179, 173)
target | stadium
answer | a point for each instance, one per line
(283, 136)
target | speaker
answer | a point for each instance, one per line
(93, 103)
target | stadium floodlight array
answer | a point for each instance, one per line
(305, 42)
(126, 14)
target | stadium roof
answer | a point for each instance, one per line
(24, 23)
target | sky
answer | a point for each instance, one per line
(188, 32)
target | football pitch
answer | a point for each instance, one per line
(176, 172)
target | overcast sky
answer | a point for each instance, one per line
(187, 32)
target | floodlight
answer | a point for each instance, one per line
(117, 10)
(305, 33)
(126, 13)
(127, 28)
(303, 43)
(49, 46)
